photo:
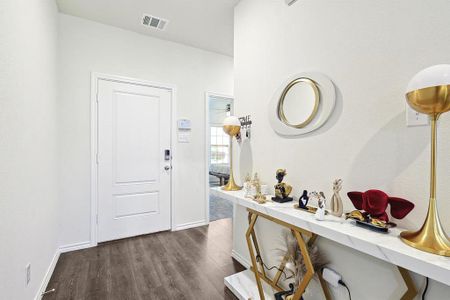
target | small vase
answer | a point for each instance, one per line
(336, 201)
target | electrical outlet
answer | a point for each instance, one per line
(28, 273)
(414, 118)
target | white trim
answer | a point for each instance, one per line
(75, 246)
(48, 275)
(189, 225)
(242, 260)
(207, 142)
(95, 77)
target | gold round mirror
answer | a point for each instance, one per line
(299, 102)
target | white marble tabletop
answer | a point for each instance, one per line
(385, 246)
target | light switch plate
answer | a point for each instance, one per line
(413, 118)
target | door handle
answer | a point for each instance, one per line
(167, 168)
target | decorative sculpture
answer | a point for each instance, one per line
(247, 185)
(321, 201)
(303, 200)
(259, 197)
(336, 201)
(282, 190)
(375, 202)
(295, 265)
(252, 188)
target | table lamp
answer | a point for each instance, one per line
(429, 93)
(232, 127)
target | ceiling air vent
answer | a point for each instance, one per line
(154, 22)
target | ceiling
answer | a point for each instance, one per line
(205, 24)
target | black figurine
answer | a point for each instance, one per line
(282, 190)
(303, 200)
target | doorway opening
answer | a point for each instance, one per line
(218, 154)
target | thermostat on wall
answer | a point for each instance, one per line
(184, 124)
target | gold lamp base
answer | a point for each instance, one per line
(232, 131)
(231, 186)
(431, 237)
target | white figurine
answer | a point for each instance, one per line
(247, 185)
(321, 200)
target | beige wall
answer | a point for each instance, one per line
(28, 144)
(86, 47)
(370, 50)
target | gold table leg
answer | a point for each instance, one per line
(411, 292)
(299, 234)
(253, 219)
(255, 243)
(274, 283)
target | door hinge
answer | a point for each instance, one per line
(96, 218)
(96, 158)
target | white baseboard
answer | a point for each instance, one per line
(243, 261)
(48, 275)
(75, 246)
(189, 225)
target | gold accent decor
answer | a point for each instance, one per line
(431, 237)
(355, 215)
(309, 209)
(260, 273)
(411, 291)
(280, 108)
(300, 234)
(232, 131)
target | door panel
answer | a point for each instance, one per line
(136, 118)
(134, 187)
(135, 204)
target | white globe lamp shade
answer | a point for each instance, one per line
(232, 125)
(432, 76)
(231, 121)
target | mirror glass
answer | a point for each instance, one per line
(300, 103)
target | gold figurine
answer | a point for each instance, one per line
(282, 190)
(356, 215)
(256, 184)
(259, 197)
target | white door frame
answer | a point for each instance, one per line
(95, 77)
(208, 140)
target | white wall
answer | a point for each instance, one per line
(370, 50)
(28, 146)
(86, 46)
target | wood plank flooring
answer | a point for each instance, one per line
(188, 264)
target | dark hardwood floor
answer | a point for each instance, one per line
(188, 264)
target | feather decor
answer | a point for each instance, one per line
(295, 264)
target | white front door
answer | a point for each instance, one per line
(134, 172)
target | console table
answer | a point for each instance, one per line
(385, 246)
